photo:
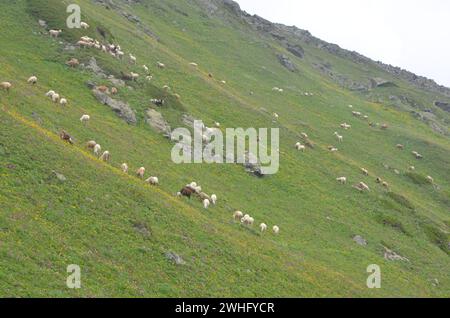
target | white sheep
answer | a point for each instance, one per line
(32, 80)
(276, 230)
(97, 149)
(84, 119)
(153, 181)
(63, 102)
(263, 227)
(342, 180)
(124, 168)
(55, 97)
(214, 199)
(140, 172)
(106, 156)
(238, 215)
(206, 203)
(6, 86)
(84, 25)
(55, 33)
(339, 137)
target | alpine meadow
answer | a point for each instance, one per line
(87, 176)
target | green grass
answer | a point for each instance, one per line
(119, 230)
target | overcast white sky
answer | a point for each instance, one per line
(412, 34)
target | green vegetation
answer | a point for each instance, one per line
(120, 230)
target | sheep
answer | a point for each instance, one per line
(63, 102)
(238, 215)
(55, 97)
(132, 58)
(430, 179)
(300, 147)
(84, 25)
(140, 172)
(263, 227)
(66, 137)
(342, 180)
(6, 86)
(276, 230)
(152, 181)
(85, 119)
(401, 147)
(106, 156)
(50, 93)
(160, 65)
(97, 149)
(365, 171)
(91, 144)
(114, 90)
(206, 203)
(55, 33)
(187, 192)
(32, 80)
(134, 76)
(213, 199)
(339, 137)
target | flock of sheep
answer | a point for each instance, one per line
(189, 190)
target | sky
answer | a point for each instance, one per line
(411, 34)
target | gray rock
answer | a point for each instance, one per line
(286, 62)
(177, 259)
(157, 122)
(360, 240)
(122, 109)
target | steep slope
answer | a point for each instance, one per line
(119, 231)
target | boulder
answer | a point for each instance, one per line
(122, 109)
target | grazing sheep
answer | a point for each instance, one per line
(140, 172)
(276, 230)
(106, 156)
(66, 137)
(91, 144)
(300, 147)
(85, 119)
(401, 147)
(63, 102)
(6, 86)
(114, 90)
(342, 180)
(97, 149)
(339, 137)
(263, 227)
(187, 192)
(55, 97)
(160, 65)
(214, 199)
(32, 80)
(365, 171)
(50, 93)
(55, 33)
(152, 181)
(124, 168)
(238, 215)
(206, 203)
(84, 25)
(430, 179)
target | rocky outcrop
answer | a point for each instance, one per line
(286, 62)
(157, 122)
(123, 110)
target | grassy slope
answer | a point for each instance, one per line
(92, 219)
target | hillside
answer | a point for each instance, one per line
(61, 205)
